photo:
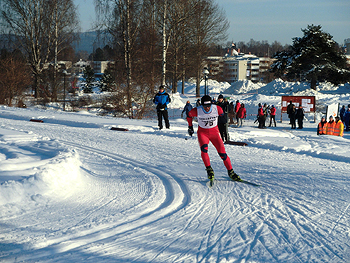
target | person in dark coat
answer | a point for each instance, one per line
(222, 120)
(292, 116)
(261, 117)
(300, 116)
(162, 99)
(341, 113)
(289, 109)
(231, 112)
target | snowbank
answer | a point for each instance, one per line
(33, 169)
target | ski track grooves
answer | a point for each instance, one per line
(177, 197)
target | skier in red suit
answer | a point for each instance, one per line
(208, 131)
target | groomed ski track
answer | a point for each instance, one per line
(171, 216)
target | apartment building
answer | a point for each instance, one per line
(238, 66)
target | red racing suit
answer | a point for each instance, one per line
(208, 131)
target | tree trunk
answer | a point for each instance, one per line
(313, 82)
(164, 45)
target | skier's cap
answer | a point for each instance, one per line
(331, 117)
(323, 117)
(206, 100)
(220, 96)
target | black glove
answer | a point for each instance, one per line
(190, 130)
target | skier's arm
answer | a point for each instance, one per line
(192, 113)
(220, 111)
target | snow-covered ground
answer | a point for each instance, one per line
(73, 190)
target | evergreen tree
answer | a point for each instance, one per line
(89, 77)
(313, 57)
(108, 83)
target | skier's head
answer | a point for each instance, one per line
(206, 100)
(220, 97)
(331, 118)
(161, 88)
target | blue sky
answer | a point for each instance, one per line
(270, 20)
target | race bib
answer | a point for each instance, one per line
(207, 120)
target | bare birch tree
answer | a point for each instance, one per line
(208, 26)
(122, 22)
(40, 27)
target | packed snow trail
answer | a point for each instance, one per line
(142, 198)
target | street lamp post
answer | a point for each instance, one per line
(206, 73)
(64, 89)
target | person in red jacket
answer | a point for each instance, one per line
(272, 115)
(237, 106)
(241, 114)
(207, 115)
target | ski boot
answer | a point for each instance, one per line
(233, 175)
(210, 173)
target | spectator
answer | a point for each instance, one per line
(341, 113)
(162, 99)
(222, 120)
(300, 116)
(186, 109)
(330, 126)
(292, 116)
(289, 109)
(261, 117)
(231, 112)
(266, 113)
(242, 114)
(347, 119)
(321, 128)
(338, 127)
(272, 115)
(237, 106)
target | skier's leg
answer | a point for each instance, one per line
(203, 144)
(220, 147)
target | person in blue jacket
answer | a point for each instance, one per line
(186, 109)
(347, 119)
(162, 99)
